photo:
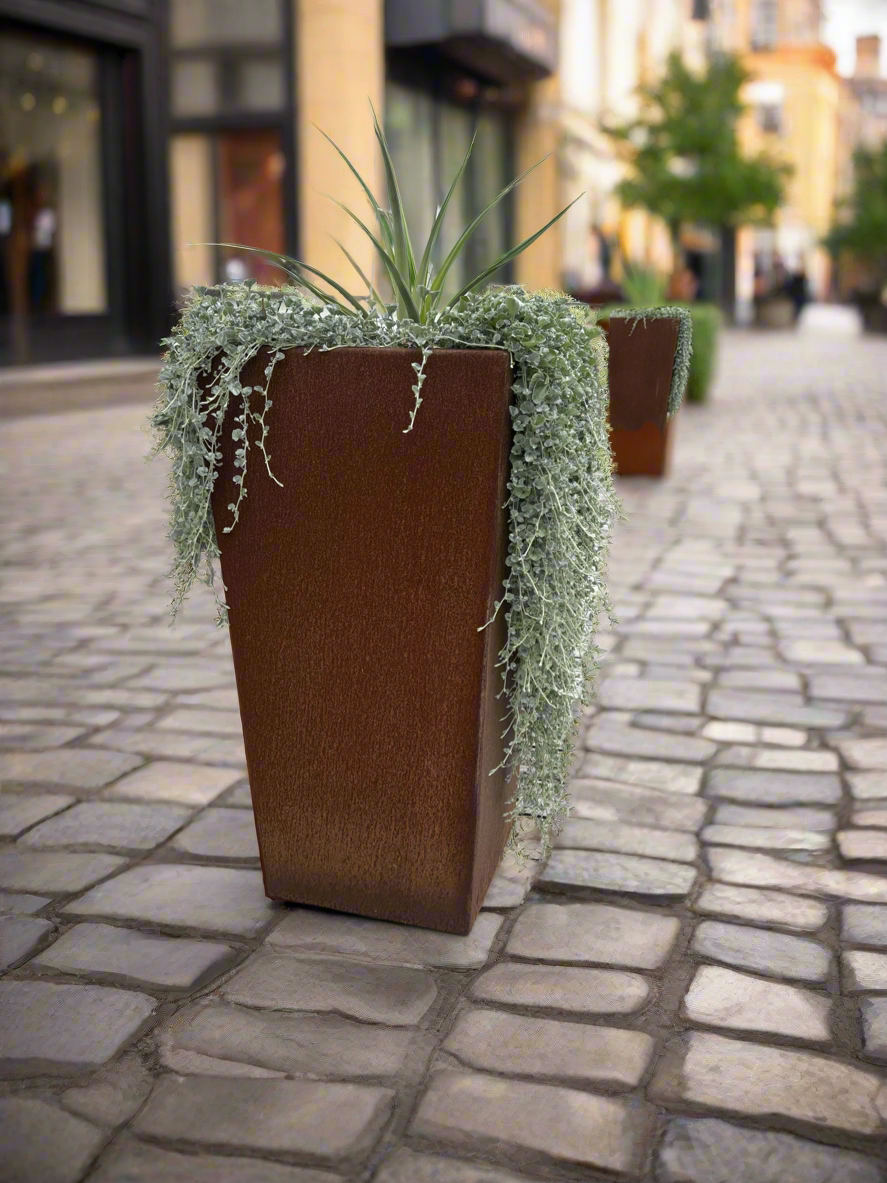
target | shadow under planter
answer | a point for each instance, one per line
(641, 366)
(357, 593)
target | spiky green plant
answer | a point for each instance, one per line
(643, 286)
(417, 286)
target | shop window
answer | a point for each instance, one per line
(770, 118)
(52, 231)
(229, 149)
(765, 24)
(428, 136)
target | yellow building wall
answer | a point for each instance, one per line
(340, 67)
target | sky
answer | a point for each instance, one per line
(847, 19)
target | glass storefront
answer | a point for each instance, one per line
(228, 153)
(428, 133)
(52, 238)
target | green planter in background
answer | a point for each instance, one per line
(706, 329)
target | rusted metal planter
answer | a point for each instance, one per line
(642, 359)
(357, 592)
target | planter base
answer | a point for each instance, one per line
(645, 451)
(357, 593)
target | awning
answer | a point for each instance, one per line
(504, 40)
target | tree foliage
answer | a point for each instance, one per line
(686, 162)
(861, 229)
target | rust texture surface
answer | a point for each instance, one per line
(357, 592)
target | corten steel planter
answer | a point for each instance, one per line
(642, 357)
(357, 594)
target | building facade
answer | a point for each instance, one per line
(136, 134)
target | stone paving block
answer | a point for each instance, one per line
(773, 953)
(723, 998)
(751, 707)
(191, 720)
(862, 845)
(486, 1112)
(595, 934)
(62, 1030)
(864, 753)
(547, 1049)
(757, 837)
(645, 694)
(774, 788)
(130, 1161)
(752, 679)
(166, 780)
(37, 736)
(114, 1096)
(20, 903)
(751, 869)
(312, 1045)
(863, 971)
(816, 652)
(320, 1121)
(766, 907)
(600, 800)
(20, 936)
(212, 899)
(874, 1028)
(511, 883)
(864, 924)
(175, 676)
(562, 988)
(40, 1143)
(871, 817)
(789, 737)
(53, 872)
(405, 1166)
(650, 774)
(108, 824)
(390, 994)
(20, 811)
(846, 688)
(623, 873)
(638, 743)
(306, 931)
(723, 732)
(799, 818)
(221, 700)
(705, 1150)
(753, 1080)
(868, 786)
(616, 837)
(660, 721)
(127, 956)
(178, 745)
(220, 834)
(77, 768)
(778, 759)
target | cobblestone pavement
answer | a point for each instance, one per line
(693, 991)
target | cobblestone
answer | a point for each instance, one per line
(735, 765)
(328, 1122)
(127, 956)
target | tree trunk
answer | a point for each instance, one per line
(727, 269)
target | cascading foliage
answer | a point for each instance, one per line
(561, 500)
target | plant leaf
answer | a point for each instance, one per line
(509, 255)
(403, 288)
(294, 268)
(470, 229)
(403, 249)
(437, 225)
(374, 295)
(384, 224)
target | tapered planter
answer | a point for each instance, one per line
(642, 361)
(357, 594)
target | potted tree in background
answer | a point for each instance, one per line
(860, 236)
(686, 164)
(413, 581)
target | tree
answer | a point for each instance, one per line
(861, 230)
(684, 154)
